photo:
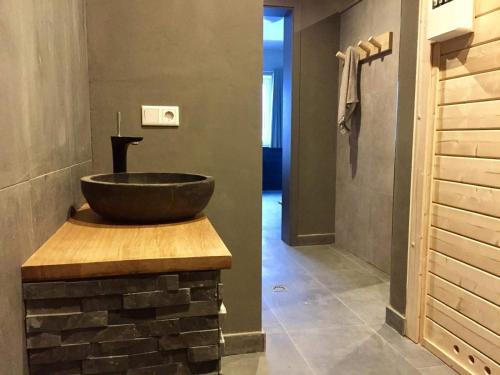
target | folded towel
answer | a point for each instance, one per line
(348, 96)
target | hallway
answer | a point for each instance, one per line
(323, 313)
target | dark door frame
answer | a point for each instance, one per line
(290, 131)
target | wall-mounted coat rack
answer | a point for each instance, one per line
(374, 47)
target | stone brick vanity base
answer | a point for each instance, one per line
(154, 324)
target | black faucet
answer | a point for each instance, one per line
(120, 144)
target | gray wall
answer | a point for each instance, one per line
(206, 57)
(45, 132)
(316, 134)
(404, 146)
(365, 171)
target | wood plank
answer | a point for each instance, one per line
(421, 178)
(476, 226)
(458, 354)
(86, 246)
(486, 29)
(472, 333)
(485, 6)
(474, 280)
(473, 143)
(478, 199)
(484, 172)
(478, 59)
(480, 115)
(477, 254)
(481, 311)
(483, 86)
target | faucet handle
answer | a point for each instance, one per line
(118, 122)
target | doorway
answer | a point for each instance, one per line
(276, 116)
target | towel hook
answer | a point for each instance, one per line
(375, 42)
(340, 55)
(364, 46)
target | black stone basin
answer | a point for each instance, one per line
(147, 197)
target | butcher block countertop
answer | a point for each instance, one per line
(86, 246)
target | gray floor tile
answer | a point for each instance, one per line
(418, 356)
(281, 358)
(270, 323)
(438, 370)
(368, 302)
(311, 308)
(329, 317)
(350, 350)
(342, 280)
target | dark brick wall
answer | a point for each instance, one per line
(155, 324)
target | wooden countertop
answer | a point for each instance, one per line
(86, 246)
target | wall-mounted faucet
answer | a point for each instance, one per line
(120, 145)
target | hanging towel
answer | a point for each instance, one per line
(348, 90)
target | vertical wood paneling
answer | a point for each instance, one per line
(462, 309)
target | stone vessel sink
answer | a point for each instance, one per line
(147, 197)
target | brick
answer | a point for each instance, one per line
(171, 342)
(62, 368)
(159, 327)
(195, 308)
(52, 306)
(99, 365)
(200, 338)
(198, 279)
(83, 288)
(168, 282)
(222, 314)
(109, 333)
(197, 323)
(168, 369)
(43, 340)
(47, 290)
(59, 354)
(145, 360)
(134, 346)
(204, 294)
(175, 356)
(156, 299)
(129, 285)
(203, 353)
(57, 322)
(101, 303)
(222, 345)
(204, 368)
(131, 316)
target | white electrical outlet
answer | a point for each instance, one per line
(169, 115)
(160, 115)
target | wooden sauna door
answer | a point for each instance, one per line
(461, 323)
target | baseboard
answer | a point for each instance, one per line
(315, 239)
(395, 320)
(244, 342)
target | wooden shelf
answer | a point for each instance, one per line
(86, 246)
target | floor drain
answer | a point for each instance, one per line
(279, 288)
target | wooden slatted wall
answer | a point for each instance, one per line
(462, 302)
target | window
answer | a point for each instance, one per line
(267, 109)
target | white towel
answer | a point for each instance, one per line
(348, 90)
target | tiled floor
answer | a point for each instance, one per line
(330, 317)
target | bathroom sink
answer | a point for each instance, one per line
(147, 197)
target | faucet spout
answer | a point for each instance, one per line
(120, 145)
